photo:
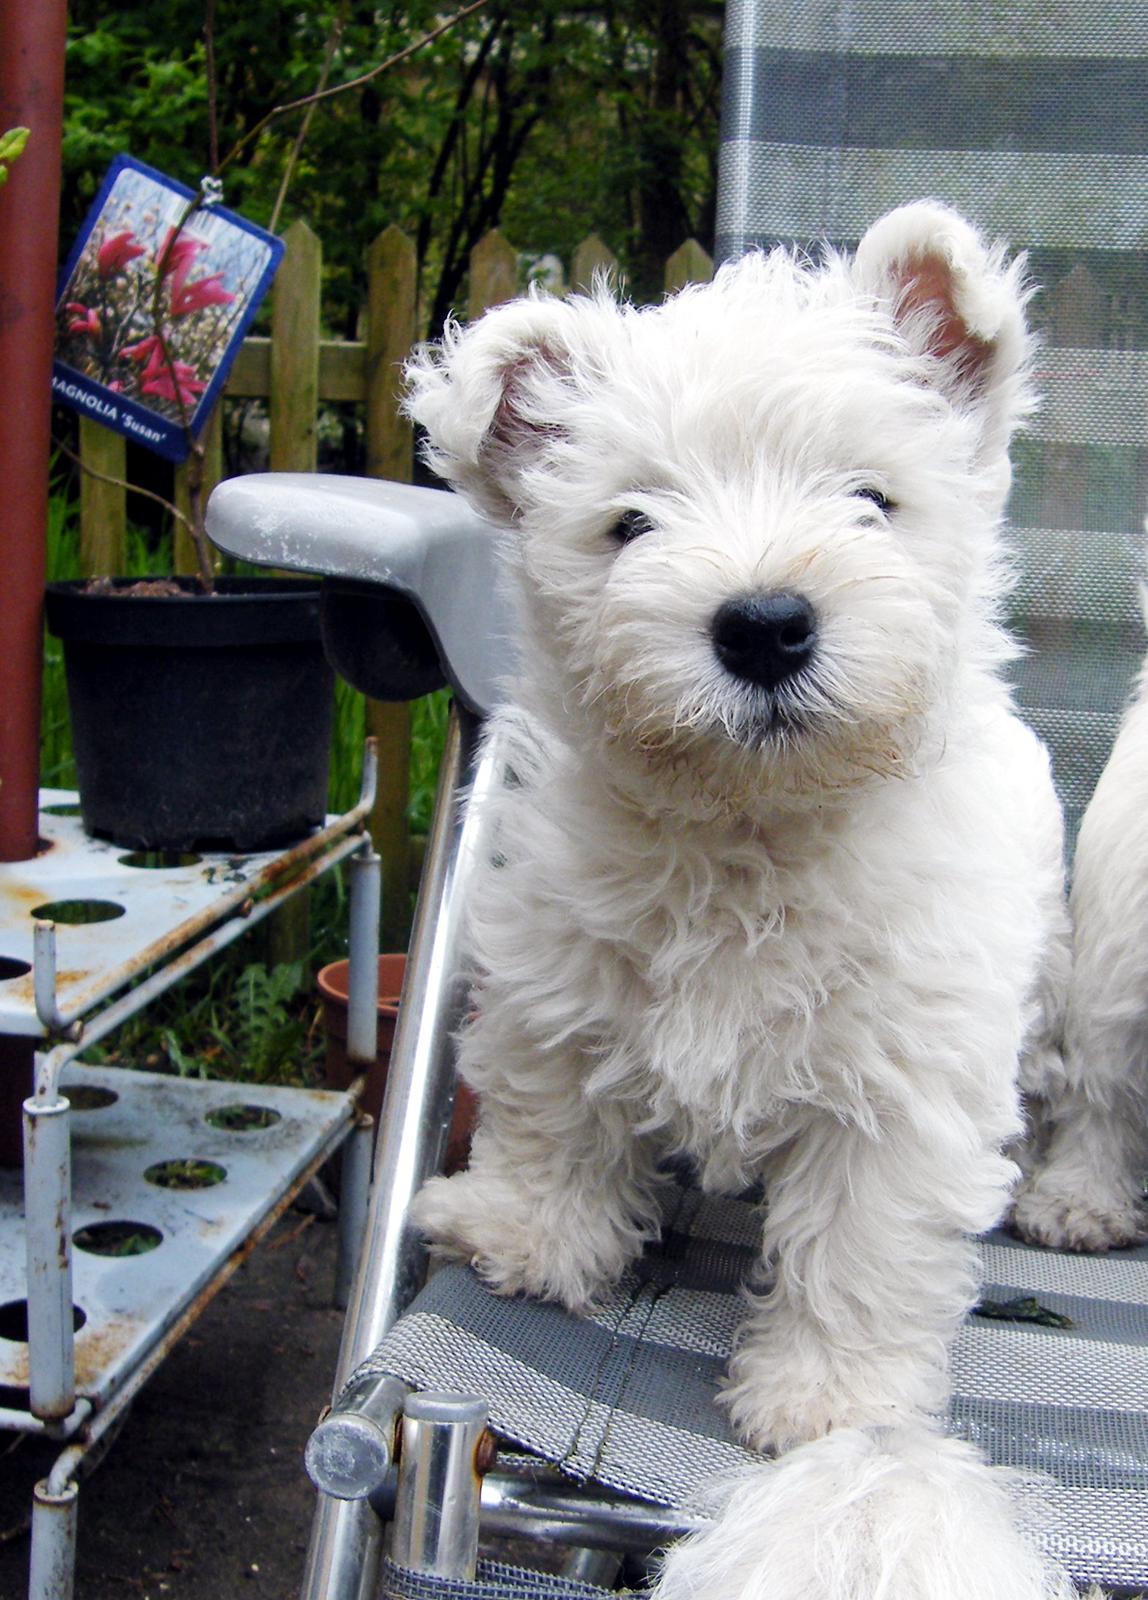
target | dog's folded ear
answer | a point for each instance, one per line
(491, 397)
(957, 300)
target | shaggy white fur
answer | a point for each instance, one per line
(778, 867)
(1084, 1182)
(861, 1514)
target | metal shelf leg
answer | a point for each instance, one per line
(48, 1210)
(354, 1196)
(363, 952)
(53, 1561)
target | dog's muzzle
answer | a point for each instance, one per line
(765, 639)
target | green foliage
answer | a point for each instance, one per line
(265, 1030)
(235, 1018)
(11, 145)
(428, 732)
(545, 121)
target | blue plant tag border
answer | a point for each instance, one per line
(115, 411)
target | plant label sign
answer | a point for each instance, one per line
(154, 302)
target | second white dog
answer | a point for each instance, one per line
(1087, 1157)
(779, 867)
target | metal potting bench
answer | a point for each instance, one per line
(191, 1172)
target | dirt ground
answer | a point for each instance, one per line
(203, 1494)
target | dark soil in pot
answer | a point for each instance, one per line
(198, 721)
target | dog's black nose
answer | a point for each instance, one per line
(765, 638)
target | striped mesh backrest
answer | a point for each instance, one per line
(1030, 117)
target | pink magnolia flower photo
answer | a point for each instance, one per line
(117, 252)
(157, 294)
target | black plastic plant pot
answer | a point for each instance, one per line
(198, 721)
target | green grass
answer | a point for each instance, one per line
(237, 1017)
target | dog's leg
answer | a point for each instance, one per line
(1087, 1192)
(1083, 1187)
(867, 1233)
(1084, 1182)
(558, 1197)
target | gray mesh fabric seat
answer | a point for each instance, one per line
(627, 1398)
(1029, 119)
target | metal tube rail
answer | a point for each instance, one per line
(45, 1427)
(353, 1450)
(354, 1199)
(52, 1565)
(420, 1085)
(540, 1505)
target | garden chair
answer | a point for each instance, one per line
(1028, 119)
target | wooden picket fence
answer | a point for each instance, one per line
(296, 372)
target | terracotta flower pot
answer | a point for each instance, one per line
(333, 989)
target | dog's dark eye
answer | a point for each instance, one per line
(629, 526)
(881, 501)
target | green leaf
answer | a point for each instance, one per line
(1025, 1308)
(12, 143)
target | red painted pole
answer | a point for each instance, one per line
(32, 39)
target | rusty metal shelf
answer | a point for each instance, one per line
(81, 1330)
(125, 1125)
(144, 915)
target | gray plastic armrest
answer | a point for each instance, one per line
(424, 544)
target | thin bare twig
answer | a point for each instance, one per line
(212, 87)
(120, 483)
(194, 521)
(333, 39)
(352, 83)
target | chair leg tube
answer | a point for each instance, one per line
(439, 1488)
(53, 1559)
(600, 1567)
(343, 1556)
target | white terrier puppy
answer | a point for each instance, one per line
(1086, 1160)
(779, 868)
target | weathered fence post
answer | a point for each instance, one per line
(688, 264)
(493, 274)
(592, 259)
(392, 277)
(102, 503)
(294, 399)
(294, 405)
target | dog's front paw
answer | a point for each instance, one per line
(786, 1387)
(1092, 1219)
(521, 1243)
